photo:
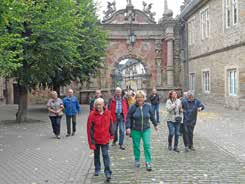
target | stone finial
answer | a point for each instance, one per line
(167, 12)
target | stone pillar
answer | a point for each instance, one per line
(170, 57)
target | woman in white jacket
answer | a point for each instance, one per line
(174, 118)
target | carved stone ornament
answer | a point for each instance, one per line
(111, 8)
(147, 10)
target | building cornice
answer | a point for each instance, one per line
(191, 8)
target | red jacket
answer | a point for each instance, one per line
(113, 109)
(99, 128)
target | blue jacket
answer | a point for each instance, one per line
(71, 105)
(138, 119)
(190, 111)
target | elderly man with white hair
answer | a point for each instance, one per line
(119, 109)
(72, 108)
(100, 131)
(191, 106)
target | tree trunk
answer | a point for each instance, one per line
(21, 115)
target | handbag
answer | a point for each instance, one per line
(178, 118)
(60, 113)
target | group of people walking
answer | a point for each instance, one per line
(131, 114)
(71, 107)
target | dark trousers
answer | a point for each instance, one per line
(188, 135)
(70, 119)
(119, 124)
(55, 121)
(106, 159)
(155, 109)
(173, 129)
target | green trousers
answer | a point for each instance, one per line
(136, 137)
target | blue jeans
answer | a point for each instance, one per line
(55, 121)
(156, 111)
(106, 159)
(173, 130)
(119, 123)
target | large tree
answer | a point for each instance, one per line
(48, 42)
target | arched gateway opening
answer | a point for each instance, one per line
(130, 74)
(141, 53)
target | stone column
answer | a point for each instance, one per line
(170, 57)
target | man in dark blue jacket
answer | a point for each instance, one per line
(191, 106)
(72, 108)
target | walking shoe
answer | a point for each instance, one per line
(137, 163)
(192, 148)
(58, 136)
(148, 166)
(176, 150)
(108, 176)
(73, 133)
(122, 147)
(96, 173)
(187, 149)
(169, 148)
(68, 135)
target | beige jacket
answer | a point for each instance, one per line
(174, 109)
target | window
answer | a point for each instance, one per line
(227, 13)
(235, 11)
(192, 81)
(232, 82)
(206, 81)
(191, 28)
(205, 23)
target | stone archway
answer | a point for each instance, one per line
(155, 45)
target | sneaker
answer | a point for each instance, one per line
(122, 147)
(58, 136)
(187, 149)
(176, 150)
(148, 166)
(192, 148)
(137, 163)
(97, 173)
(73, 133)
(169, 148)
(68, 135)
(108, 176)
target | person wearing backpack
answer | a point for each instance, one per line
(138, 126)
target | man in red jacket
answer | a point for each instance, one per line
(119, 110)
(100, 131)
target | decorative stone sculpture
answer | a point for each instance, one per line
(111, 8)
(147, 10)
(129, 2)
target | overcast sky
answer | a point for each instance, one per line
(158, 6)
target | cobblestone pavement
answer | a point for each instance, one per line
(30, 155)
(216, 159)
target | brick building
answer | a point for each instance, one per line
(213, 50)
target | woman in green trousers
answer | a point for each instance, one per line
(138, 126)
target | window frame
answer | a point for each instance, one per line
(192, 81)
(232, 81)
(206, 85)
(205, 21)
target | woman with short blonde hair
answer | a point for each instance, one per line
(138, 125)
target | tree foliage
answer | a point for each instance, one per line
(49, 42)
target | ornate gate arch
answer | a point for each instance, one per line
(134, 34)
